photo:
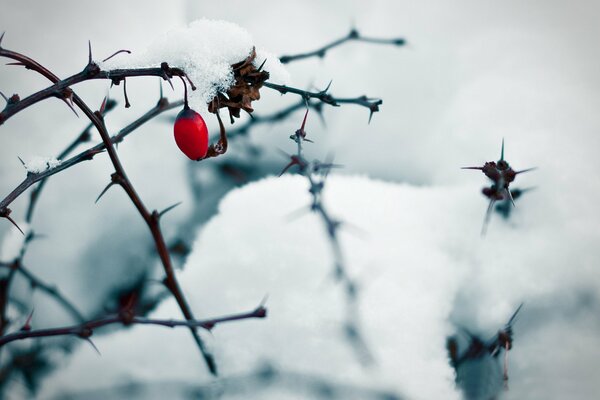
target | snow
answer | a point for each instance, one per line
(422, 252)
(13, 241)
(205, 50)
(37, 164)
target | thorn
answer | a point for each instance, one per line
(160, 88)
(304, 122)
(166, 210)
(14, 223)
(525, 170)
(502, 151)
(262, 65)
(4, 97)
(127, 105)
(2, 37)
(328, 86)
(488, 214)
(512, 318)
(298, 213)
(27, 325)
(89, 52)
(477, 168)
(371, 116)
(103, 105)
(510, 196)
(264, 300)
(87, 339)
(16, 63)
(70, 105)
(22, 162)
(115, 53)
(104, 191)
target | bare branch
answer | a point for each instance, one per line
(353, 35)
(85, 330)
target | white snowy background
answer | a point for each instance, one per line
(474, 72)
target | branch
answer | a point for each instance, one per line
(371, 103)
(86, 329)
(332, 227)
(50, 290)
(61, 88)
(353, 35)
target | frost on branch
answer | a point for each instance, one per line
(206, 51)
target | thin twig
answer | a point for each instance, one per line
(86, 329)
(51, 290)
(371, 103)
(353, 35)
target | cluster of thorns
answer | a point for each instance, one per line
(502, 175)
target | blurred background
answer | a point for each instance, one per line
(471, 74)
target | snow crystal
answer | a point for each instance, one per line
(205, 50)
(13, 242)
(37, 164)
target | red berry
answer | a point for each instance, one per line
(191, 134)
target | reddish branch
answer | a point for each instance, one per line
(86, 329)
(119, 177)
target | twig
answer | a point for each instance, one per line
(371, 103)
(353, 35)
(86, 329)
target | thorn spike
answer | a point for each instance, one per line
(103, 192)
(502, 151)
(15, 224)
(304, 120)
(510, 196)
(166, 210)
(89, 52)
(93, 345)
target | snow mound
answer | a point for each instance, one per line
(418, 253)
(205, 50)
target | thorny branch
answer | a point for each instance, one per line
(371, 103)
(119, 177)
(353, 35)
(86, 329)
(316, 173)
(86, 155)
